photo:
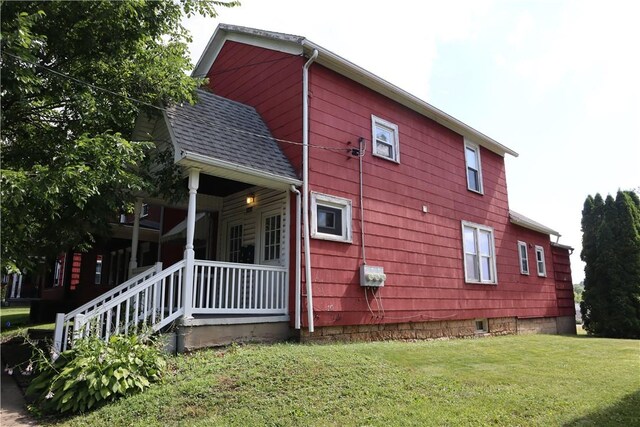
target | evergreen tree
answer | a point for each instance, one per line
(611, 250)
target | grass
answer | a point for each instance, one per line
(536, 380)
(15, 321)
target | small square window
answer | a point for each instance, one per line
(385, 139)
(542, 269)
(481, 326)
(474, 168)
(330, 217)
(524, 257)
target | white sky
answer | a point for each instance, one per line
(557, 81)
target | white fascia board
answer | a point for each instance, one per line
(297, 45)
(209, 161)
(519, 219)
(370, 80)
(257, 38)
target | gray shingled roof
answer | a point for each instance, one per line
(226, 130)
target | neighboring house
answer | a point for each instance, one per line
(325, 202)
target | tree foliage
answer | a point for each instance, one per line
(611, 251)
(74, 77)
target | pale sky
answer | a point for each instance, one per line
(557, 81)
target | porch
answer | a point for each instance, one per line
(224, 251)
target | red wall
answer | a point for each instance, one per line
(269, 81)
(421, 253)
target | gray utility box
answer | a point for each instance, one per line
(371, 276)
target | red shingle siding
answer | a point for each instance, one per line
(421, 253)
(268, 80)
(564, 282)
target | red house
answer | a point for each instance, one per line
(326, 203)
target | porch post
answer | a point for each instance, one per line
(189, 254)
(14, 285)
(133, 262)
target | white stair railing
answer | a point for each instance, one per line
(152, 302)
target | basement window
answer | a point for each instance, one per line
(385, 139)
(481, 326)
(330, 218)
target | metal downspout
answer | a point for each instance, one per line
(305, 184)
(298, 260)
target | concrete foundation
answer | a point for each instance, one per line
(195, 337)
(437, 329)
(566, 325)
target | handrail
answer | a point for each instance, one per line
(206, 263)
(115, 291)
(153, 295)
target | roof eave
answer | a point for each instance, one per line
(532, 226)
(210, 161)
(370, 80)
(296, 45)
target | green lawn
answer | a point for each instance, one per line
(15, 320)
(537, 380)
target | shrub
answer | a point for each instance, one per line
(94, 372)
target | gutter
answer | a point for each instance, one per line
(209, 161)
(305, 185)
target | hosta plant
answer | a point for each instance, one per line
(94, 372)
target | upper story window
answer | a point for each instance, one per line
(144, 212)
(330, 217)
(474, 167)
(479, 253)
(524, 257)
(542, 269)
(385, 139)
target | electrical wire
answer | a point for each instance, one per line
(164, 110)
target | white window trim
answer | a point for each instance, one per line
(543, 273)
(260, 237)
(493, 254)
(476, 148)
(522, 244)
(396, 138)
(333, 202)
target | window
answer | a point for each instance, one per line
(474, 169)
(481, 326)
(524, 258)
(542, 271)
(385, 139)
(479, 253)
(98, 278)
(271, 242)
(330, 217)
(235, 242)
(144, 212)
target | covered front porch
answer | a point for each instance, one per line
(224, 250)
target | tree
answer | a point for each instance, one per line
(611, 251)
(74, 77)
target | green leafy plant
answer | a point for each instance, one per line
(94, 372)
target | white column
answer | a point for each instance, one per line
(133, 262)
(14, 285)
(189, 254)
(19, 293)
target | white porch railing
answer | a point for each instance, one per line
(154, 302)
(155, 298)
(229, 288)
